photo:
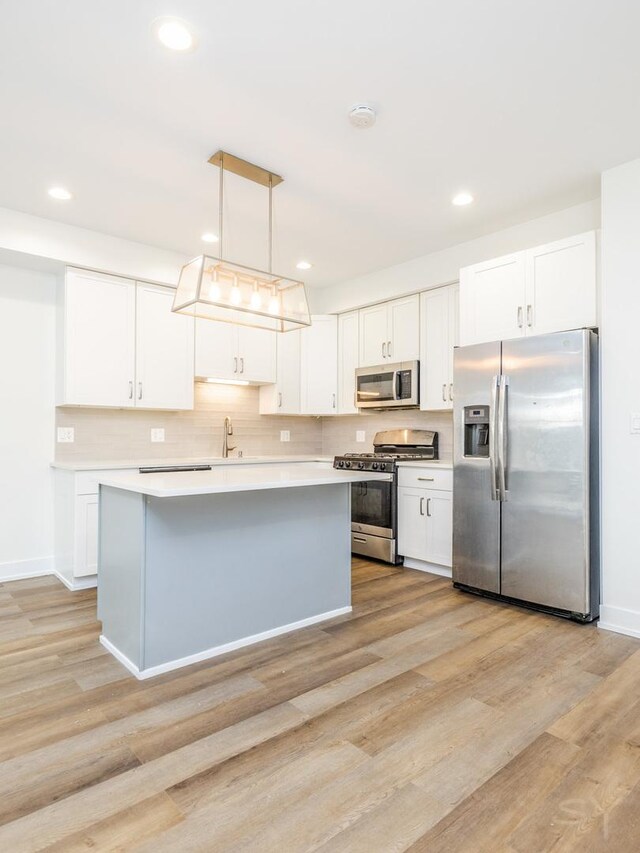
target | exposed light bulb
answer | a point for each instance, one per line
(214, 291)
(235, 296)
(274, 305)
(256, 300)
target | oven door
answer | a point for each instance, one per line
(373, 508)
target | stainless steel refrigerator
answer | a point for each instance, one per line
(525, 479)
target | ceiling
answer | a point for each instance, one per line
(522, 103)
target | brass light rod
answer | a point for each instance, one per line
(247, 170)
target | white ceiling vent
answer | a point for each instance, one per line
(362, 116)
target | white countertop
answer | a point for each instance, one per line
(234, 478)
(418, 463)
(123, 464)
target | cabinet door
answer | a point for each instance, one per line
(561, 285)
(287, 388)
(257, 354)
(439, 510)
(99, 340)
(436, 363)
(347, 362)
(412, 523)
(319, 366)
(404, 329)
(86, 539)
(216, 350)
(373, 335)
(164, 351)
(492, 300)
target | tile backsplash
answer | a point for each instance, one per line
(125, 434)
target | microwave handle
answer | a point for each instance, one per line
(397, 385)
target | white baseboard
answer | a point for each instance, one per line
(22, 569)
(619, 620)
(432, 568)
(215, 651)
(25, 569)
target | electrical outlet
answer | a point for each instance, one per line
(157, 435)
(635, 423)
(360, 435)
(285, 435)
(66, 435)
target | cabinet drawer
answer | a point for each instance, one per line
(425, 478)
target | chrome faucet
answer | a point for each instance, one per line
(228, 430)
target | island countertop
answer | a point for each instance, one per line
(236, 478)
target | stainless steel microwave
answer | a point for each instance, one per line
(388, 386)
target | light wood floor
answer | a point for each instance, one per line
(427, 720)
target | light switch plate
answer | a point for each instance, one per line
(635, 423)
(157, 434)
(360, 435)
(285, 435)
(66, 435)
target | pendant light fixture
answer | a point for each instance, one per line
(215, 289)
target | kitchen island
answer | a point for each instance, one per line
(196, 564)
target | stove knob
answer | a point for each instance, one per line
(347, 464)
(375, 466)
(383, 466)
(341, 464)
(360, 465)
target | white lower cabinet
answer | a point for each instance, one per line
(425, 515)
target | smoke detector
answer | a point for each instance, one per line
(362, 116)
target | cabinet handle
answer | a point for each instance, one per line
(421, 506)
(444, 392)
(519, 316)
(241, 365)
(529, 316)
(384, 350)
(389, 349)
(428, 507)
(333, 404)
(139, 390)
(451, 392)
(131, 389)
(359, 539)
(426, 479)
(235, 364)
(279, 399)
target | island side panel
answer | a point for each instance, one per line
(120, 570)
(224, 567)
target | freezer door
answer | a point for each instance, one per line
(545, 517)
(476, 512)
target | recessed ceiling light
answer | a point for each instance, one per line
(304, 265)
(174, 34)
(60, 193)
(209, 238)
(461, 199)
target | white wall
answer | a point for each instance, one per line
(443, 267)
(27, 360)
(620, 361)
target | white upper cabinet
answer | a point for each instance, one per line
(319, 366)
(438, 337)
(97, 315)
(257, 354)
(164, 351)
(404, 329)
(229, 351)
(121, 346)
(348, 360)
(373, 335)
(561, 285)
(492, 300)
(283, 398)
(216, 349)
(390, 331)
(551, 288)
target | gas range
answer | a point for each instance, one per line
(379, 461)
(374, 505)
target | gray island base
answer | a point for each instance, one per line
(188, 577)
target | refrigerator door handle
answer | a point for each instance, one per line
(502, 438)
(493, 439)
